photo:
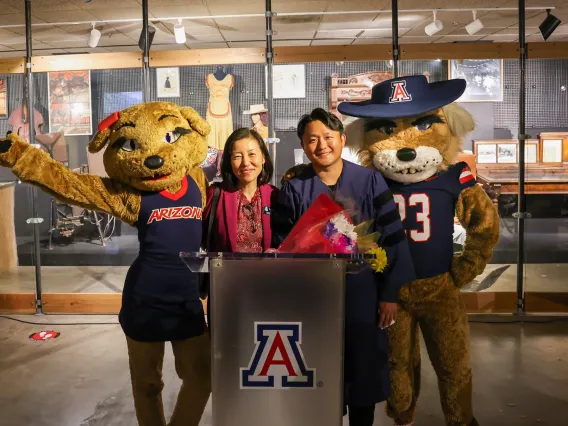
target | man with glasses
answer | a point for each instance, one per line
(370, 298)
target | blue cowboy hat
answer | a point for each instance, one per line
(405, 97)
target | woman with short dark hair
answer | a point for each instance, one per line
(241, 220)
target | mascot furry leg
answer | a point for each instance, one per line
(411, 132)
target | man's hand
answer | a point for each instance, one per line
(387, 314)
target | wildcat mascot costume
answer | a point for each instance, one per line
(155, 184)
(411, 130)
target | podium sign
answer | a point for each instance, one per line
(277, 339)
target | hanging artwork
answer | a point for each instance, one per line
(167, 80)
(483, 76)
(288, 81)
(69, 95)
(3, 97)
(259, 119)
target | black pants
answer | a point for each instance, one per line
(360, 416)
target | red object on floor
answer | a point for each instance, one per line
(44, 335)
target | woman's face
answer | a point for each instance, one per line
(246, 160)
(255, 118)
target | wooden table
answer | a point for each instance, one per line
(537, 181)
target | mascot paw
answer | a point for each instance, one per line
(5, 145)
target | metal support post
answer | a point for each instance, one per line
(146, 52)
(521, 214)
(272, 140)
(395, 47)
(29, 101)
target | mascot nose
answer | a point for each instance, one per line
(406, 154)
(154, 162)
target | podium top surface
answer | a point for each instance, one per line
(198, 261)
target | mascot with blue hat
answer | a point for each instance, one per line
(411, 130)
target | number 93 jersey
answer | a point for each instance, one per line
(427, 211)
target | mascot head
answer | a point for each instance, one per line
(152, 146)
(410, 129)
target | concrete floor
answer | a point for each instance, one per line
(82, 379)
(548, 277)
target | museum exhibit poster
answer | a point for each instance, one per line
(117, 101)
(3, 98)
(69, 94)
(483, 77)
(167, 80)
(288, 81)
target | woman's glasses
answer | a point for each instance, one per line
(248, 211)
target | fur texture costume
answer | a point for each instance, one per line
(411, 132)
(156, 185)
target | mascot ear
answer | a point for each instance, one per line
(101, 138)
(459, 120)
(99, 141)
(196, 121)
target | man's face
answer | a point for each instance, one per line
(322, 145)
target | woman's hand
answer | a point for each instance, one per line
(387, 314)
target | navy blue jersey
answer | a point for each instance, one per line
(161, 295)
(427, 210)
(366, 373)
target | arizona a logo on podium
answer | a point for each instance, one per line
(277, 361)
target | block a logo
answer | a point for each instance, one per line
(399, 92)
(277, 361)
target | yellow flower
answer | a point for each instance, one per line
(380, 262)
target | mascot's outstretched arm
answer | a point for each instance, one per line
(480, 218)
(92, 192)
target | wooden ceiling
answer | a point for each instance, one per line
(53, 33)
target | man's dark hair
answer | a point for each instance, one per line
(328, 119)
(229, 178)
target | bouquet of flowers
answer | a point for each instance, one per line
(327, 227)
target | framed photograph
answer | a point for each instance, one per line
(167, 81)
(483, 77)
(552, 151)
(3, 97)
(69, 94)
(288, 81)
(507, 153)
(531, 153)
(486, 153)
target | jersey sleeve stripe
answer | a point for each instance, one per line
(395, 238)
(383, 198)
(388, 218)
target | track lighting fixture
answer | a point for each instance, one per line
(151, 33)
(475, 25)
(549, 25)
(433, 27)
(179, 32)
(94, 38)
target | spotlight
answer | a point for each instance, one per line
(179, 32)
(549, 25)
(474, 26)
(433, 27)
(95, 37)
(151, 32)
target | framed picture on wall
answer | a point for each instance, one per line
(552, 151)
(507, 153)
(531, 152)
(486, 153)
(69, 94)
(167, 81)
(288, 81)
(484, 78)
(3, 97)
